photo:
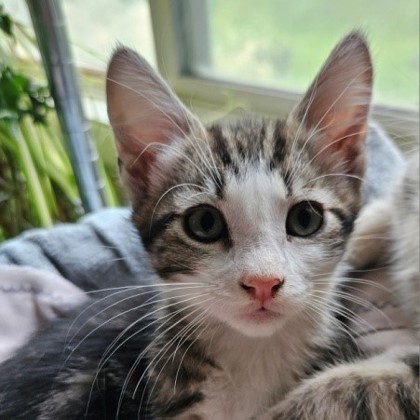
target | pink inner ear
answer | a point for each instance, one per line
(347, 147)
(336, 106)
(135, 156)
(341, 138)
(144, 112)
(138, 146)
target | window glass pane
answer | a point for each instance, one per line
(95, 27)
(283, 44)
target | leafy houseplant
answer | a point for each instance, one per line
(37, 186)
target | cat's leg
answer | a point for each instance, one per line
(384, 387)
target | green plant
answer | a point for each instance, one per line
(37, 186)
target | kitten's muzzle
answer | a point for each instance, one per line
(262, 289)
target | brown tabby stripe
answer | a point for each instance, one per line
(242, 150)
(347, 222)
(262, 135)
(359, 404)
(409, 407)
(413, 362)
(220, 145)
(177, 406)
(157, 228)
(170, 270)
(279, 141)
(288, 183)
(220, 184)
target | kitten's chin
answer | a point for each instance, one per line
(258, 323)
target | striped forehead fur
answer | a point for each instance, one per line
(232, 149)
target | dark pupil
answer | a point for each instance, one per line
(207, 221)
(304, 218)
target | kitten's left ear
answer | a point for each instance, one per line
(335, 109)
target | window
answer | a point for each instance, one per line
(258, 56)
(284, 44)
(95, 27)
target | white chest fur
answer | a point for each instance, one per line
(254, 372)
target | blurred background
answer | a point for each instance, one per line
(221, 57)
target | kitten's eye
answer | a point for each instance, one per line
(205, 224)
(304, 219)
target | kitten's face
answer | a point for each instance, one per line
(241, 211)
(255, 213)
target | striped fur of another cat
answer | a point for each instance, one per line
(384, 385)
(245, 224)
(387, 233)
(405, 216)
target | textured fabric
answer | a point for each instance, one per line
(58, 265)
(101, 250)
(29, 298)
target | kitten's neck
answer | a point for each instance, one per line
(263, 369)
(286, 352)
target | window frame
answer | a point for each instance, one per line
(182, 46)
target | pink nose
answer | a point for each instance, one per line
(261, 288)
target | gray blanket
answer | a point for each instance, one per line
(101, 250)
(44, 273)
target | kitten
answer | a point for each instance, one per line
(245, 224)
(258, 213)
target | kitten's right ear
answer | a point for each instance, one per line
(145, 115)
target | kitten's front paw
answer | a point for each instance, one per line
(380, 389)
